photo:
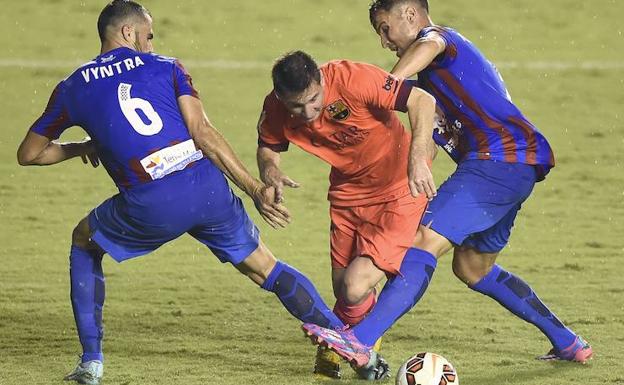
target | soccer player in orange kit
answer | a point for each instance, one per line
(343, 112)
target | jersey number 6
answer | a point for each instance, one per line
(129, 107)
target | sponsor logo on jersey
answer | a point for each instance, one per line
(107, 59)
(446, 135)
(170, 159)
(390, 81)
(338, 110)
(349, 136)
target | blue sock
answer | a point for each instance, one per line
(299, 296)
(518, 297)
(87, 296)
(398, 295)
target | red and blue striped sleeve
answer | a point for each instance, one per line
(55, 119)
(450, 51)
(182, 81)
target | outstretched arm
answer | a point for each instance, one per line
(421, 110)
(418, 56)
(218, 150)
(38, 150)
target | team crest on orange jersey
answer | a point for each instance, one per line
(338, 110)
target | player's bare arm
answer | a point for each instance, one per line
(270, 173)
(419, 55)
(421, 110)
(217, 149)
(38, 150)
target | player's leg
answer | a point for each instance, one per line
(410, 275)
(353, 278)
(125, 226)
(87, 298)
(294, 290)
(479, 271)
(400, 293)
(409, 266)
(470, 265)
(473, 199)
(327, 362)
(357, 294)
(497, 191)
(233, 237)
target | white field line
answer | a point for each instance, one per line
(238, 65)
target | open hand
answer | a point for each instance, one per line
(273, 212)
(88, 153)
(275, 178)
(420, 178)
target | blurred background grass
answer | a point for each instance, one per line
(178, 316)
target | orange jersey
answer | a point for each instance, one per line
(358, 133)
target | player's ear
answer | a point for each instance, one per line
(411, 13)
(127, 32)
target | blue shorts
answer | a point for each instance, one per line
(476, 206)
(197, 201)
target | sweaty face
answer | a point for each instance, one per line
(306, 105)
(143, 35)
(396, 29)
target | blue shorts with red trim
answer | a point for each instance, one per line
(477, 205)
(197, 201)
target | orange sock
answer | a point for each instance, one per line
(353, 314)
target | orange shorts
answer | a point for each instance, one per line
(381, 231)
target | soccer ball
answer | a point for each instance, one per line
(427, 369)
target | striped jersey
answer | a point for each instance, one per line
(479, 120)
(127, 102)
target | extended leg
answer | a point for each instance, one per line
(87, 297)
(355, 298)
(294, 290)
(481, 274)
(87, 291)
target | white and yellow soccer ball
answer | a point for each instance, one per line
(427, 369)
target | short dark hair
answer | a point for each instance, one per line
(294, 72)
(387, 5)
(117, 11)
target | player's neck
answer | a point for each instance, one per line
(110, 45)
(425, 21)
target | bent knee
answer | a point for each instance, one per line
(81, 236)
(432, 242)
(258, 265)
(469, 270)
(461, 271)
(354, 293)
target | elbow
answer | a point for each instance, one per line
(25, 158)
(206, 144)
(421, 100)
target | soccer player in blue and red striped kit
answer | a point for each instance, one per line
(500, 156)
(148, 127)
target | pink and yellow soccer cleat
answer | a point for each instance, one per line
(579, 351)
(342, 342)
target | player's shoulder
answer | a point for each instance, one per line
(162, 58)
(77, 71)
(346, 66)
(438, 33)
(344, 72)
(436, 30)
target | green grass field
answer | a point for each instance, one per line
(180, 317)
